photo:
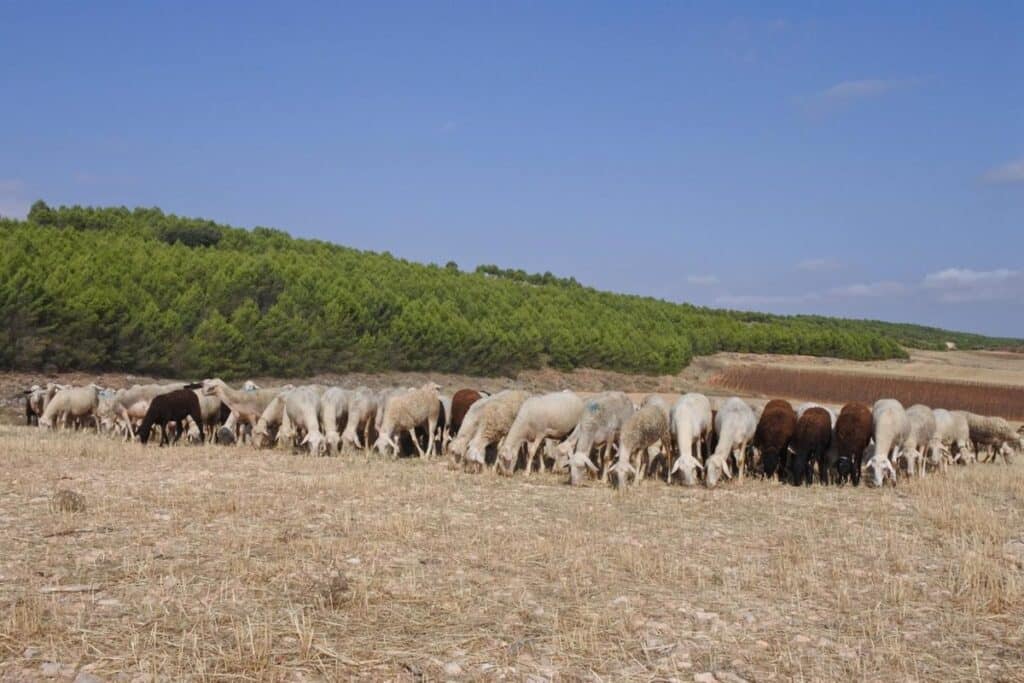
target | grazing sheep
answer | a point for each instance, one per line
(921, 422)
(302, 407)
(691, 425)
(174, 406)
(268, 427)
(804, 407)
(735, 424)
(333, 415)
(600, 423)
(852, 436)
(810, 441)
(363, 409)
(993, 435)
(490, 424)
(405, 412)
(71, 403)
(467, 430)
(774, 431)
(952, 439)
(36, 399)
(246, 405)
(551, 416)
(461, 402)
(644, 428)
(891, 427)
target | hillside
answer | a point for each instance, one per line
(143, 291)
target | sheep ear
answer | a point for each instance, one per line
(590, 464)
(699, 465)
(789, 449)
(305, 440)
(726, 469)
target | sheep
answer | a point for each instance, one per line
(774, 431)
(947, 435)
(690, 423)
(851, 437)
(467, 430)
(268, 426)
(890, 429)
(407, 411)
(246, 405)
(302, 407)
(921, 423)
(36, 398)
(489, 425)
(333, 414)
(460, 404)
(735, 424)
(539, 417)
(599, 425)
(173, 406)
(363, 409)
(71, 403)
(644, 428)
(804, 407)
(994, 435)
(810, 441)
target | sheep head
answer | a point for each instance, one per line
(715, 468)
(687, 465)
(622, 473)
(315, 442)
(579, 463)
(880, 469)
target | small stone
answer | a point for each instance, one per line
(452, 669)
(538, 613)
(705, 677)
(763, 644)
(354, 560)
(729, 677)
(86, 677)
(824, 642)
(30, 653)
(802, 639)
(701, 615)
(66, 500)
(50, 669)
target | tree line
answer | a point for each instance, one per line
(138, 290)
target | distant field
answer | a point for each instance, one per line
(230, 564)
(840, 387)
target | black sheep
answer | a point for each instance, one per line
(173, 406)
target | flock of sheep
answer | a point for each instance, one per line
(604, 436)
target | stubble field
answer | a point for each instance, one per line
(207, 563)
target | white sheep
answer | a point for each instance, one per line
(550, 416)
(78, 403)
(645, 428)
(467, 430)
(921, 429)
(405, 412)
(994, 435)
(363, 409)
(246, 405)
(951, 430)
(735, 424)
(302, 406)
(691, 426)
(490, 423)
(334, 412)
(891, 429)
(599, 426)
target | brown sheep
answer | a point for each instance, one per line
(853, 434)
(810, 443)
(461, 401)
(774, 431)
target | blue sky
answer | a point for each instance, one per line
(863, 161)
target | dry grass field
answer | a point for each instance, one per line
(204, 563)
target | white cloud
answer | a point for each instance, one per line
(885, 288)
(702, 280)
(819, 265)
(959, 285)
(856, 90)
(1010, 172)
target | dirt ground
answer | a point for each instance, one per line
(212, 563)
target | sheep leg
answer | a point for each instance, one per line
(431, 429)
(415, 442)
(531, 452)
